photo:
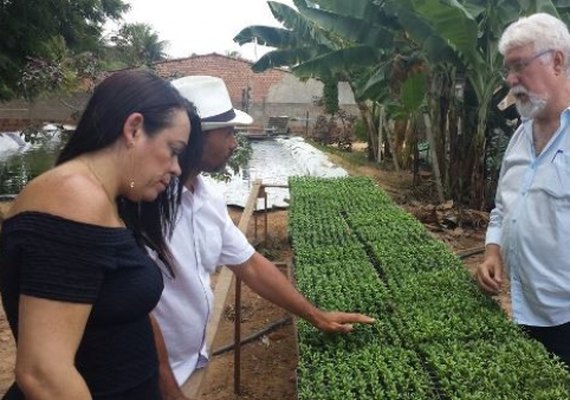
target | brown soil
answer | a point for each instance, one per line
(268, 363)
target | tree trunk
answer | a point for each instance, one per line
(478, 171)
(390, 135)
(368, 119)
(381, 118)
(398, 139)
(434, 158)
(407, 144)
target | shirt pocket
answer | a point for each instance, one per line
(210, 248)
(553, 178)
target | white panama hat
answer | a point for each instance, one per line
(212, 100)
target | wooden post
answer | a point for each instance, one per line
(263, 195)
(255, 223)
(265, 217)
(237, 338)
(243, 223)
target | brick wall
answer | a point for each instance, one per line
(273, 92)
(235, 72)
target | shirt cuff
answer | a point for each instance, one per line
(493, 236)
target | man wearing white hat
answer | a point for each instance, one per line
(205, 237)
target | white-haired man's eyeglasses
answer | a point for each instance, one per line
(519, 66)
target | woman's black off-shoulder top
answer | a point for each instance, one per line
(50, 257)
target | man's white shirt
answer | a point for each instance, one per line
(204, 237)
(531, 223)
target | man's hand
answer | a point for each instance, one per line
(265, 279)
(339, 322)
(490, 271)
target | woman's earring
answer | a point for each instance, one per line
(132, 180)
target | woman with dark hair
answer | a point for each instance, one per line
(77, 285)
(164, 208)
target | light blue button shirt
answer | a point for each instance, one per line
(531, 223)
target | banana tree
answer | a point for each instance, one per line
(464, 35)
(312, 50)
(471, 30)
(300, 40)
(370, 28)
(457, 40)
(372, 46)
(411, 108)
(437, 24)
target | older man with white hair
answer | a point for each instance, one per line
(531, 219)
(205, 237)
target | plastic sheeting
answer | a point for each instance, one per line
(11, 143)
(273, 162)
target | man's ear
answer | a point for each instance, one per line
(559, 61)
(133, 128)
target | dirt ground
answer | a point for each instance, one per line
(268, 363)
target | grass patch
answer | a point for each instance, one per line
(355, 157)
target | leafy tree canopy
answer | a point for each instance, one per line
(31, 29)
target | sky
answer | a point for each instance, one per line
(203, 26)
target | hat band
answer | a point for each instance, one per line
(223, 117)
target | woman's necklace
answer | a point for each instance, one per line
(100, 182)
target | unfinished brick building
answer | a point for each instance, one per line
(272, 93)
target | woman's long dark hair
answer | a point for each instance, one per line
(114, 99)
(162, 210)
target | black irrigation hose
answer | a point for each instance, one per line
(470, 252)
(253, 336)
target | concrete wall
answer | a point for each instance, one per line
(292, 90)
(298, 113)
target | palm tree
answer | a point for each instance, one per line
(137, 44)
